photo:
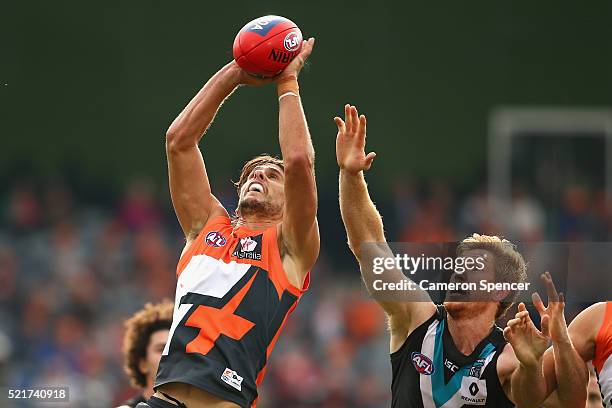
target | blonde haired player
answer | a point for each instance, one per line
(445, 356)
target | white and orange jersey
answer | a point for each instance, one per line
(232, 301)
(602, 361)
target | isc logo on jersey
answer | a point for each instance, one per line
(422, 363)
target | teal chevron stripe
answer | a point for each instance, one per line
(443, 392)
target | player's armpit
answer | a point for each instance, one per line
(190, 190)
(405, 303)
(404, 319)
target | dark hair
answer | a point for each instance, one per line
(138, 331)
(251, 164)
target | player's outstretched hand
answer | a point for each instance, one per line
(553, 315)
(292, 71)
(350, 142)
(528, 343)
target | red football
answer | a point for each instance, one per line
(266, 45)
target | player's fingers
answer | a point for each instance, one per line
(257, 80)
(553, 296)
(537, 302)
(347, 116)
(339, 123)
(362, 125)
(307, 46)
(370, 159)
(310, 45)
(302, 55)
(508, 333)
(354, 118)
(513, 322)
(522, 315)
(521, 307)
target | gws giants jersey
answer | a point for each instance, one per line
(429, 371)
(232, 300)
(603, 361)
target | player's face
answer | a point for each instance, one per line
(468, 302)
(156, 345)
(264, 192)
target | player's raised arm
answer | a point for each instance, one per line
(189, 185)
(299, 230)
(542, 371)
(564, 367)
(526, 383)
(406, 309)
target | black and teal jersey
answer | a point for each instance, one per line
(430, 372)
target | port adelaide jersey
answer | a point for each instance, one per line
(232, 300)
(430, 372)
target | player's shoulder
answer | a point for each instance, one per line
(595, 309)
(588, 322)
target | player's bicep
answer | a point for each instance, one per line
(190, 190)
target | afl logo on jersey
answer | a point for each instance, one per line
(214, 239)
(422, 363)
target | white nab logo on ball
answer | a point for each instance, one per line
(292, 41)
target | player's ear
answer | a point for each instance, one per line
(500, 295)
(142, 366)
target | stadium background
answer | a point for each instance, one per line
(87, 231)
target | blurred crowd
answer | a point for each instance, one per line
(71, 272)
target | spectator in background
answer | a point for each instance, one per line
(145, 338)
(527, 218)
(23, 209)
(139, 207)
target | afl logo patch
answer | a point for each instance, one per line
(422, 363)
(292, 41)
(214, 239)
